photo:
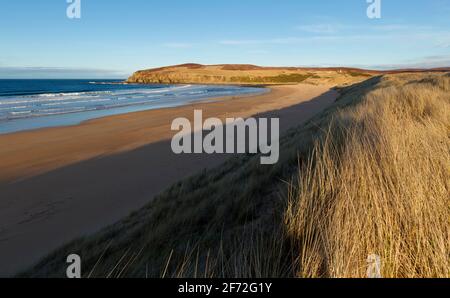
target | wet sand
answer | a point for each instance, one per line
(60, 183)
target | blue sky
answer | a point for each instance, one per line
(114, 38)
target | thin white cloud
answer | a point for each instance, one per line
(240, 42)
(332, 28)
(320, 28)
(400, 27)
(178, 45)
(306, 40)
(444, 45)
(436, 61)
(432, 61)
(287, 40)
(331, 33)
(257, 52)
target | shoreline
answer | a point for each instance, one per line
(58, 184)
(68, 119)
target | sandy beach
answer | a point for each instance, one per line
(60, 183)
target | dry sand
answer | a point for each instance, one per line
(60, 183)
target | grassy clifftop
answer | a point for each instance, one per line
(246, 74)
(370, 175)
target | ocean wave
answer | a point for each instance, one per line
(13, 108)
(74, 93)
(48, 104)
(20, 113)
(77, 102)
(33, 99)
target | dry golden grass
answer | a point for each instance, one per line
(379, 184)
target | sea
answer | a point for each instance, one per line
(33, 104)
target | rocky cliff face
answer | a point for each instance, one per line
(245, 74)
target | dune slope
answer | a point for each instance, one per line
(370, 175)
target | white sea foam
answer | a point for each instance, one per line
(72, 94)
